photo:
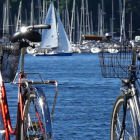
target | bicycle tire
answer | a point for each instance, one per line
(34, 127)
(131, 123)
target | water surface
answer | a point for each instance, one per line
(85, 99)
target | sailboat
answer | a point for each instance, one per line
(54, 41)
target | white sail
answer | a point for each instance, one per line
(63, 42)
(54, 40)
(50, 36)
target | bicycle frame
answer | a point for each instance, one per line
(5, 111)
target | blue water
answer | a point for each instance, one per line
(85, 99)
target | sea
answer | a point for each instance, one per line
(85, 99)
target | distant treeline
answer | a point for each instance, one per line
(131, 6)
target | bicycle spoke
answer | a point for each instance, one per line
(33, 125)
(119, 125)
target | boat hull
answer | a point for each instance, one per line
(55, 54)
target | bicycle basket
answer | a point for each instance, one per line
(9, 64)
(115, 61)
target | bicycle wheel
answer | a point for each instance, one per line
(131, 123)
(37, 122)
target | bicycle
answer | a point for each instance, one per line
(124, 64)
(34, 120)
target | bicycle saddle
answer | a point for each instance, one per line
(30, 35)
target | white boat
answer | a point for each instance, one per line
(95, 50)
(112, 50)
(75, 48)
(54, 39)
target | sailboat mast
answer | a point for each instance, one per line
(6, 7)
(44, 11)
(32, 12)
(102, 16)
(100, 21)
(112, 23)
(120, 9)
(87, 19)
(123, 36)
(78, 26)
(74, 29)
(91, 23)
(82, 22)
(7, 17)
(72, 21)
(99, 10)
(67, 21)
(19, 17)
(83, 14)
(4, 18)
(131, 26)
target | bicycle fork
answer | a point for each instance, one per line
(126, 98)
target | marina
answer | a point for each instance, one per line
(81, 75)
(70, 23)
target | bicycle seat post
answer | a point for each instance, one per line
(22, 60)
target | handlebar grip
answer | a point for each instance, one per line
(41, 26)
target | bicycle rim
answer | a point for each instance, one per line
(34, 122)
(131, 124)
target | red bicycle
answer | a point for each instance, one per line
(34, 120)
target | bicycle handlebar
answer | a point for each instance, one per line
(53, 82)
(41, 26)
